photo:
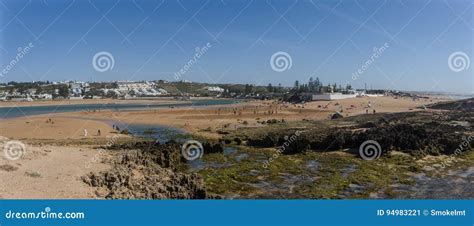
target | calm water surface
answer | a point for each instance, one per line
(12, 112)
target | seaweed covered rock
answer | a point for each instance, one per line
(293, 144)
(237, 141)
(462, 105)
(225, 140)
(432, 138)
(265, 141)
(412, 132)
(336, 140)
(288, 142)
(213, 147)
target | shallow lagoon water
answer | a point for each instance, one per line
(200, 164)
(158, 133)
(457, 184)
(12, 112)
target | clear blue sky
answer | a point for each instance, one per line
(153, 39)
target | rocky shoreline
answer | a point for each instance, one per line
(308, 159)
(151, 171)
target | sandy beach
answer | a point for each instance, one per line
(71, 125)
(58, 153)
(48, 171)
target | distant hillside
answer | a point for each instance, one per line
(199, 88)
(464, 105)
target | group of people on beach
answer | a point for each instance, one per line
(367, 111)
(99, 133)
(270, 110)
(115, 127)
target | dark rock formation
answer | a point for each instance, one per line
(428, 137)
(336, 115)
(213, 147)
(148, 173)
(461, 105)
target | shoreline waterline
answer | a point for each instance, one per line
(21, 111)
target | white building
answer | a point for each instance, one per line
(140, 89)
(77, 89)
(332, 96)
(214, 89)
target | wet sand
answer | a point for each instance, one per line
(59, 128)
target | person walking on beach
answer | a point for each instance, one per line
(98, 133)
(85, 132)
